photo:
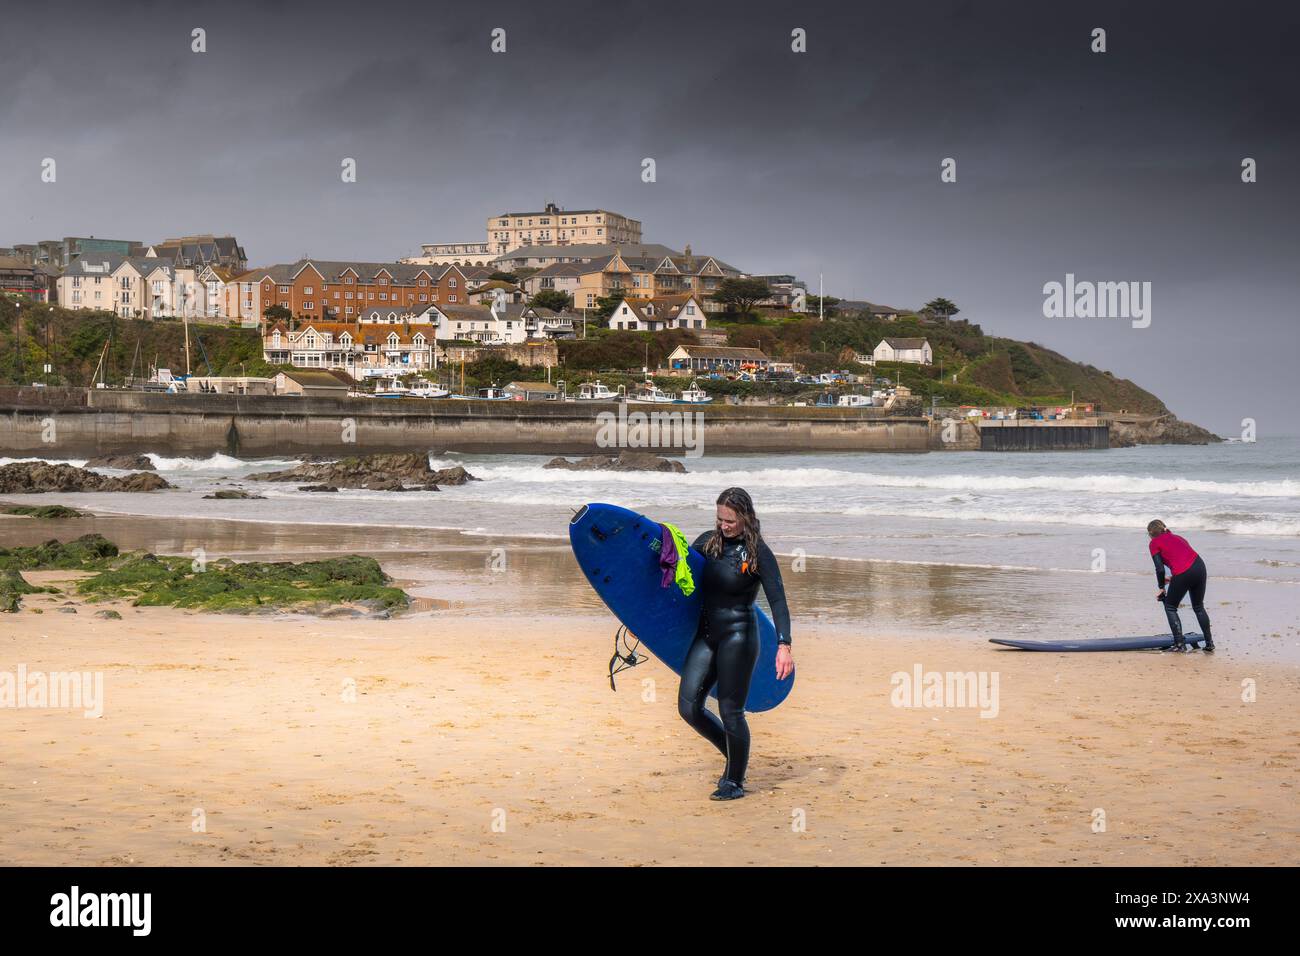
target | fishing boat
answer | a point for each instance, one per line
(694, 395)
(428, 390)
(651, 394)
(596, 392)
(390, 388)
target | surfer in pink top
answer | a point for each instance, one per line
(1187, 577)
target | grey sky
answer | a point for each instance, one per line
(1120, 166)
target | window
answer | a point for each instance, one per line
(348, 280)
(348, 310)
(283, 290)
(451, 283)
(383, 296)
(306, 290)
(346, 295)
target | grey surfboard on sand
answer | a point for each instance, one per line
(1101, 643)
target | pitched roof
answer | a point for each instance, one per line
(723, 352)
(476, 313)
(94, 264)
(904, 343)
(666, 307)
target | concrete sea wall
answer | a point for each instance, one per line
(74, 423)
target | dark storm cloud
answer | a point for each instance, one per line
(1113, 167)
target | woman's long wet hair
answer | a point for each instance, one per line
(738, 500)
(1156, 528)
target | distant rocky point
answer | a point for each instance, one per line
(1165, 430)
(624, 461)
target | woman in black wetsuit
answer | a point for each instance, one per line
(725, 648)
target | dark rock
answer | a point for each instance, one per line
(36, 477)
(122, 462)
(393, 472)
(624, 461)
(317, 488)
(12, 588)
(237, 495)
(1164, 430)
(109, 615)
(67, 610)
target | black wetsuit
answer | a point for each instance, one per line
(1191, 583)
(725, 648)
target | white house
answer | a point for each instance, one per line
(497, 324)
(474, 323)
(654, 315)
(130, 295)
(916, 351)
(214, 280)
(87, 283)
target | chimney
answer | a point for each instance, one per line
(690, 259)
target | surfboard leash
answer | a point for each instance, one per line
(623, 660)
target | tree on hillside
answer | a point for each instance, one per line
(510, 277)
(741, 295)
(941, 308)
(552, 299)
(606, 304)
(821, 306)
(276, 313)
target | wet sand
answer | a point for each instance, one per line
(467, 736)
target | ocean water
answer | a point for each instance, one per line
(1239, 504)
(997, 542)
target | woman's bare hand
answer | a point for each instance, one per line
(784, 662)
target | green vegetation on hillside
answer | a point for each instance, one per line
(988, 370)
(71, 343)
(969, 366)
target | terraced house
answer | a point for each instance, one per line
(341, 291)
(362, 349)
(630, 276)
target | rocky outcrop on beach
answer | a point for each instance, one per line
(122, 462)
(624, 461)
(235, 495)
(33, 477)
(12, 588)
(1164, 430)
(397, 472)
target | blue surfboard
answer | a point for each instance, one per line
(1100, 644)
(618, 551)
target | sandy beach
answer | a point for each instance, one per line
(466, 736)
